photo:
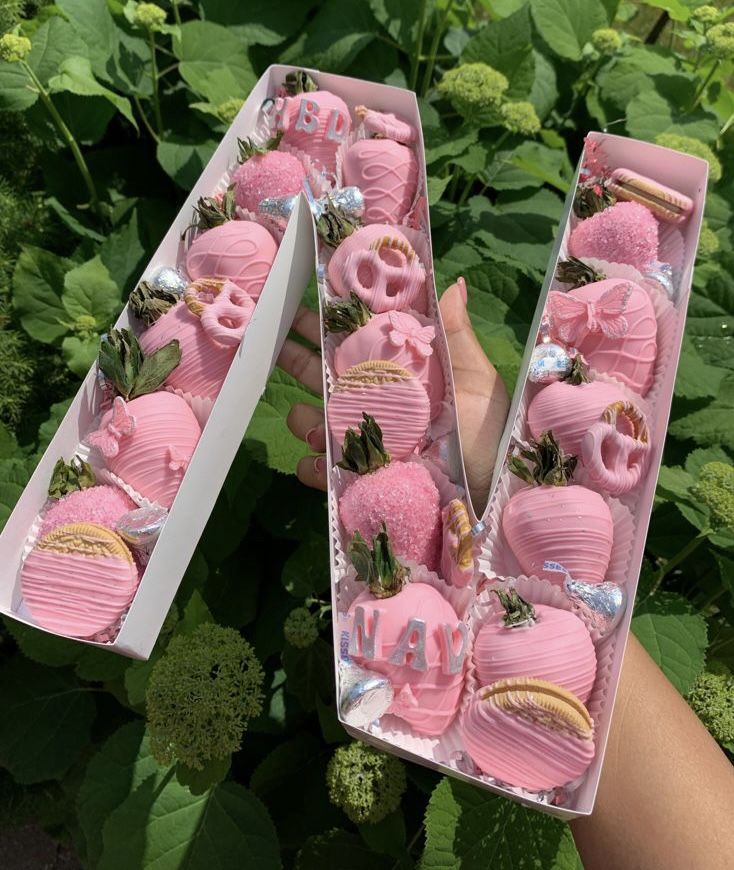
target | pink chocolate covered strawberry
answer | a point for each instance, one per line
(384, 167)
(612, 323)
(264, 173)
(525, 640)
(208, 324)
(555, 520)
(378, 263)
(594, 421)
(625, 232)
(313, 121)
(237, 251)
(408, 632)
(147, 438)
(398, 336)
(387, 392)
(401, 496)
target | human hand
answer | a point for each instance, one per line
(481, 398)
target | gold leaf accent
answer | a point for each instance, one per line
(457, 520)
(201, 285)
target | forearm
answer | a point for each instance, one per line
(666, 797)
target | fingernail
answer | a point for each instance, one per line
(462, 289)
(319, 464)
(312, 437)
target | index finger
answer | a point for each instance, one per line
(307, 324)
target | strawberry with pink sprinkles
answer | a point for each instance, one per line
(102, 505)
(263, 174)
(623, 233)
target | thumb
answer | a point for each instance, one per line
(481, 398)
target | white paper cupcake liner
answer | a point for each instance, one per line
(106, 476)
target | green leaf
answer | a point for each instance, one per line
(37, 284)
(567, 25)
(436, 188)
(72, 221)
(213, 61)
(468, 828)
(16, 91)
(677, 10)
(80, 353)
(14, 475)
(268, 438)
(184, 160)
(100, 665)
(113, 773)
(46, 720)
(674, 635)
(93, 23)
(532, 165)
(507, 46)
(544, 92)
(44, 648)
(47, 430)
(259, 22)
(334, 37)
(89, 290)
(711, 425)
(199, 781)
(306, 570)
(634, 72)
(329, 850)
(310, 672)
(124, 254)
(696, 379)
(650, 113)
(400, 18)
(386, 836)
(163, 825)
(75, 75)
(53, 42)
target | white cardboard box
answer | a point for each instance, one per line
(679, 171)
(225, 427)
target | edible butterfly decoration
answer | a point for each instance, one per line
(404, 331)
(120, 425)
(177, 461)
(573, 318)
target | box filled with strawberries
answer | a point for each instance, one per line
(487, 644)
(99, 541)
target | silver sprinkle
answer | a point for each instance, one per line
(599, 605)
(477, 529)
(363, 696)
(168, 278)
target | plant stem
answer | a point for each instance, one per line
(415, 59)
(176, 13)
(657, 28)
(705, 84)
(729, 122)
(679, 557)
(154, 80)
(68, 137)
(432, 51)
(145, 120)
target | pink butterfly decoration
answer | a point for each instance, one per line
(406, 331)
(572, 319)
(122, 424)
(176, 460)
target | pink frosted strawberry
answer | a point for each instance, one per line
(384, 167)
(147, 438)
(313, 121)
(526, 640)
(555, 520)
(571, 406)
(612, 323)
(408, 632)
(265, 173)
(399, 495)
(623, 233)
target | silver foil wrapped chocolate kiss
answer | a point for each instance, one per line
(364, 696)
(600, 605)
(347, 200)
(169, 279)
(140, 529)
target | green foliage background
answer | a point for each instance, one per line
(74, 749)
